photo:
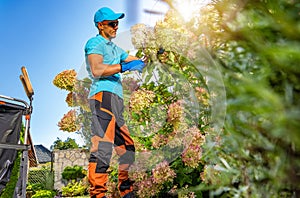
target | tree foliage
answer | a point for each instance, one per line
(258, 49)
(69, 143)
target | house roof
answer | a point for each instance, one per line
(33, 161)
(43, 154)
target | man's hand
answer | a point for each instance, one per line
(137, 65)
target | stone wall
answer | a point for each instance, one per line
(70, 157)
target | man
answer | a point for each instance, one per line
(104, 62)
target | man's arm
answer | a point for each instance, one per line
(99, 69)
(130, 58)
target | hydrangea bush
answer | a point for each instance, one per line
(76, 119)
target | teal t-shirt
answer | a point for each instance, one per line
(112, 54)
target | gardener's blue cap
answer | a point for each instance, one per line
(106, 14)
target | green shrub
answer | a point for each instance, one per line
(257, 152)
(73, 173)
(74, 189)
(44, 194)
(33, 188)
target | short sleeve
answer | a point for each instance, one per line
(93, 46)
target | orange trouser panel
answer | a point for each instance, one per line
(97, 189)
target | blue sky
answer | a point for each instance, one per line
(47, 37)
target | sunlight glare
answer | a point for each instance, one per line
(190, 8)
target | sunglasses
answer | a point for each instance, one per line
(112, 24)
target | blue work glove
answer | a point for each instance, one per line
(132, 66)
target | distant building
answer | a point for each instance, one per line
(43, 154)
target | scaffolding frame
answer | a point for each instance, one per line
(26, 109)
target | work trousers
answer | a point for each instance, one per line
(109, 132)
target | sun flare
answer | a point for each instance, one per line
(190, 8)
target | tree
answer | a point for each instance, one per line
(69, 143)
